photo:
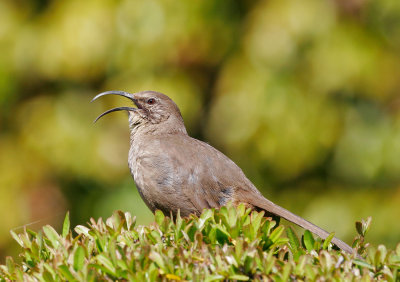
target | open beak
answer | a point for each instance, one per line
(120, 93)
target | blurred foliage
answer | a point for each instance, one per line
(232, 244)
(304, 96)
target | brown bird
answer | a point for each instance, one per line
(174, 171)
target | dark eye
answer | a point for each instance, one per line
(151, 101)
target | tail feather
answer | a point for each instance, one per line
(281, 212)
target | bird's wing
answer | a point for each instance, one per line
(210, 178)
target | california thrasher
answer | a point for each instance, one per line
(174, 171)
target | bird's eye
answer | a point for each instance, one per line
(151, 101)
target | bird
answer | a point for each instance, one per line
(175, 172)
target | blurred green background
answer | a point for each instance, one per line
(303, 95)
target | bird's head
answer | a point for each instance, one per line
(153, 110)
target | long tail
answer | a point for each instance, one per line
(269, 206)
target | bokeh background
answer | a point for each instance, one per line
(303, 95)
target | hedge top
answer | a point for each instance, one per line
(230, 243)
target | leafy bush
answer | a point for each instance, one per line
(230, 243)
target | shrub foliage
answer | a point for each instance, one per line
(233, 243)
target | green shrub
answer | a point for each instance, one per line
(230, 243)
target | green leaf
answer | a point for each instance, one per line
(25, 238)
(310, 272)
(256, 220)
(326, 261)
(266, 227)
(286, 272)
(222, 235)
(159, 217)
(112, 251)
(80, 229)
(130, 221)
(232, 215)
(294, 242)
(50, 269)
(205, 216)
(102, 268)
(118, 220)
(269, 263)
(79, 258)
(363, 226)
(276, 233)
(359, 228)
(367, 225)
(66, 226)
(213, 277)
(65, 273)
(363, 263)
(239, 277)
(281, 241)
(99, 244)
(178, 226)
(300, 267)
(16, 238)
(106, 262)
(212, 235)
(328, 240)
(156, 257)
(52, 235)
(10, 264)
(47, 276)
(308, 240)
(31, 232)
(380, 254)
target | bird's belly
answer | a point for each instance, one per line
(160, 191)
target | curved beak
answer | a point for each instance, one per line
(120, 93)
(114, 110)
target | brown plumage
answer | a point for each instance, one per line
(174, 171)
